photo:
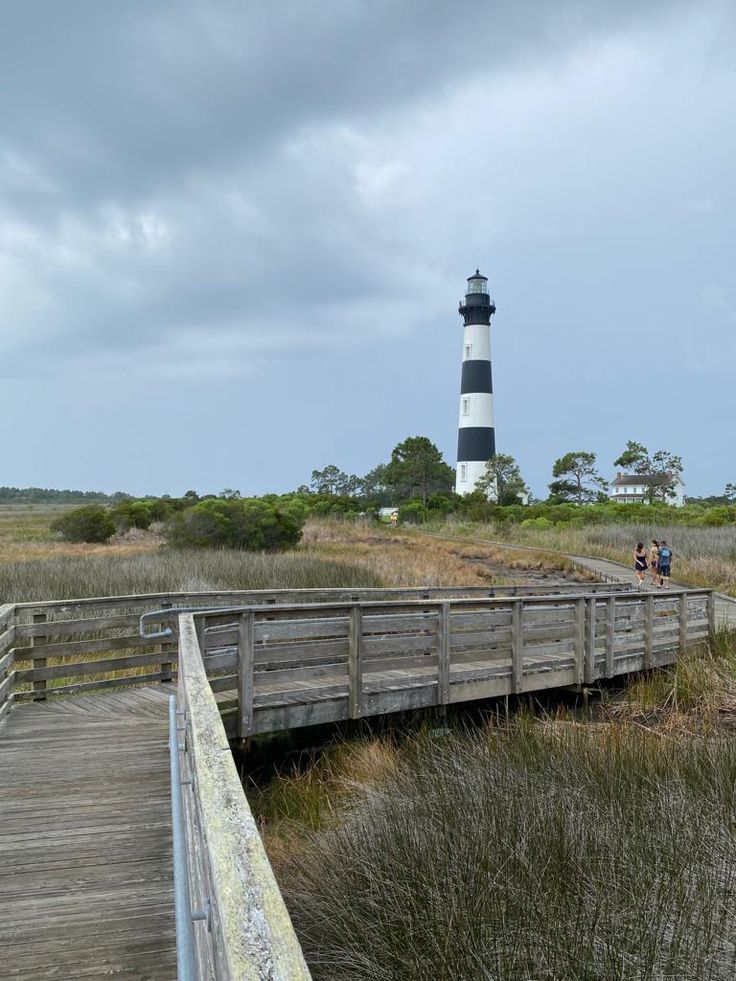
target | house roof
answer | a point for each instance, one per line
(640, 479)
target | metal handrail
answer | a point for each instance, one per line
(185, 969)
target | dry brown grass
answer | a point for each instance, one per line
(405, 558)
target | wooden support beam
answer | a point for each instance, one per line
(711, 607)
(580, 607)
(589, 670)
(355, 662)
(610, 634)
(246, 662)
(682, 622)
(443, 654)
(648, 631)
(39, 686)
(517, 646)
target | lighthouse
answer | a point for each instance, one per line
(476, 440)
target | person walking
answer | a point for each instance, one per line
(665, 564)
(654, 561)
(640, 563)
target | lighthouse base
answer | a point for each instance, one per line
(468, 474)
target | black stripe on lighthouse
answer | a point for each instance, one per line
(476, 377)
(475, 443)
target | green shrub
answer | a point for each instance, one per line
(412, 513)
(250, 524)
(91, 523)
(132, 514)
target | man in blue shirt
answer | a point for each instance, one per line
(665, 564)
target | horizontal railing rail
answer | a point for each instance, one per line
(59, 649)
(284, 667)
(241, 927)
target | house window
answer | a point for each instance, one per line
(463, 471)
(468, 351)
(466, 407)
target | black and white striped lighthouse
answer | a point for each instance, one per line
(476, 441)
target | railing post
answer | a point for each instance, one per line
(355, 662)
(246, 671)
(39, 686)
(199, 628)
(589, 672)
(162, 647)
(579, 640)
(682, 619)
(711, 608)
(648, 631)
(443, 654)
(610, 635)
(517, 646)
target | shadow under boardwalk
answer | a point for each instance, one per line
(86, 878)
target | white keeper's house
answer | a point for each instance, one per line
(631, 488)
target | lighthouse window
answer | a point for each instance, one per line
(468, 351)
(463, 471)
(466, 407)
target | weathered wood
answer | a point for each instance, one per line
(589, 667)
(443, 654)
(6, 662)
(6, 686)
(39, 686)
(251, 934)
(75, 647)
(648, 630)
(517, 647)
(580, 607)
(711, 611)
(355, 661)
(90, 686)
(246, 668)
(85, 839)
(77, 669)
(69, 628)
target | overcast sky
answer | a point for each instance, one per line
(234, 234)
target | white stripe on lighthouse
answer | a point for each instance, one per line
(477, 342)
(476, 409)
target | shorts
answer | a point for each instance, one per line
(664, 571)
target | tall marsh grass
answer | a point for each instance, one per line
(118, 574)
(554, 852)
(702, 556)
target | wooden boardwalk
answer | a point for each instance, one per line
(86, 883)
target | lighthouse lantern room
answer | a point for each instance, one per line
(476, 442)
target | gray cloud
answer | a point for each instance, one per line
(208, 190)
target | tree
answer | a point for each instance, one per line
(374, 486)
(730, 493)
(502, 480)
(91, 523)
(661, 469)
(577, 478)
(418, 470)
(328, 481)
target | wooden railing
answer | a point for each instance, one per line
(7, 674)
(242, 928)
(277, 668)
(67, 647)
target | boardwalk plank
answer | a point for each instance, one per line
(86, 885)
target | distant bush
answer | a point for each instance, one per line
(250, 524)
(413, 513)
(91, 523)
(132, 514)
